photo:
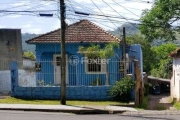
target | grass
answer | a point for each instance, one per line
(176, 105)
(160, 108)
(144, 104)
(11, 100)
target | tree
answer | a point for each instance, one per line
(29, 55)
(163, 65)
(95, 51)
(148, 54)
(157, 22)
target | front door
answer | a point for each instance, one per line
(57, 70)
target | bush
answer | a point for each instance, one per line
(121, 91)
(147, 87)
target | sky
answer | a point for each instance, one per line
(108, 14)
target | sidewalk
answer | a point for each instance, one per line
(68, 109)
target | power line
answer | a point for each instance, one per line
(117, 12)
(103, 13)
(3, 11)
(85, 26)
(34, 7)
(125, 8)
(90, 9)
(88, 14)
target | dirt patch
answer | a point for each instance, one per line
(3, 97)
(160, 102)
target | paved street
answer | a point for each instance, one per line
(20, 115)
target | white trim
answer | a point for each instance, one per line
(102, 71)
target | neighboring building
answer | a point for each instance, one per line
(175, 80)
(11, 46)
(28, 63)
(27, 75)
(10, 49)
(79, 72)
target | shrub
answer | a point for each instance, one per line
(121, 91)
(147, 87)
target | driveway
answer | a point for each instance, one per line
(160, 102)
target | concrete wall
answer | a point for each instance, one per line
(73, 92)
(26, 79)
(10, 47)
(175, 80)
(5, 82)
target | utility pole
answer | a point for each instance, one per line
(63, 56)
(124, 51)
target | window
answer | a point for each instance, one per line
(58, 60)
(95, 66)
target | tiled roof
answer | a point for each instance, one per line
(82, 31)
(175, 53)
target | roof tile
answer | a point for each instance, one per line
(175, 53)
(82, 31)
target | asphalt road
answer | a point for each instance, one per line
(21, 115)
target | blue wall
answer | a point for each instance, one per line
(76, 74)
(136, 51)
(72, 92)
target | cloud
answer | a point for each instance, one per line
(26, 26)
(35, 30)
(21, 3)
(14, 16)
(1, 26)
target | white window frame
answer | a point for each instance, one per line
(103, 68)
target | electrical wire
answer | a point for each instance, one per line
(34, 7)
(103, 13)
(85, 26)
(118, 13)
(125, 8)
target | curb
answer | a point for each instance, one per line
(94, 111)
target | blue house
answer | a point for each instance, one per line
(78, 70)
(85, 78)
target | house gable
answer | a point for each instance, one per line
(82, 31)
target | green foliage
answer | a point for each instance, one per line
(147, 87)
(40, 82)
(163, 66)
(176, 104)
(29, 55)
(144, 104)
(157, 22)
(95, 51)
(122, 89)
(148, 54)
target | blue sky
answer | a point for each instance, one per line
(120, 11)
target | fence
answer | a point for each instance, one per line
(47, 73)
(25, 80)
